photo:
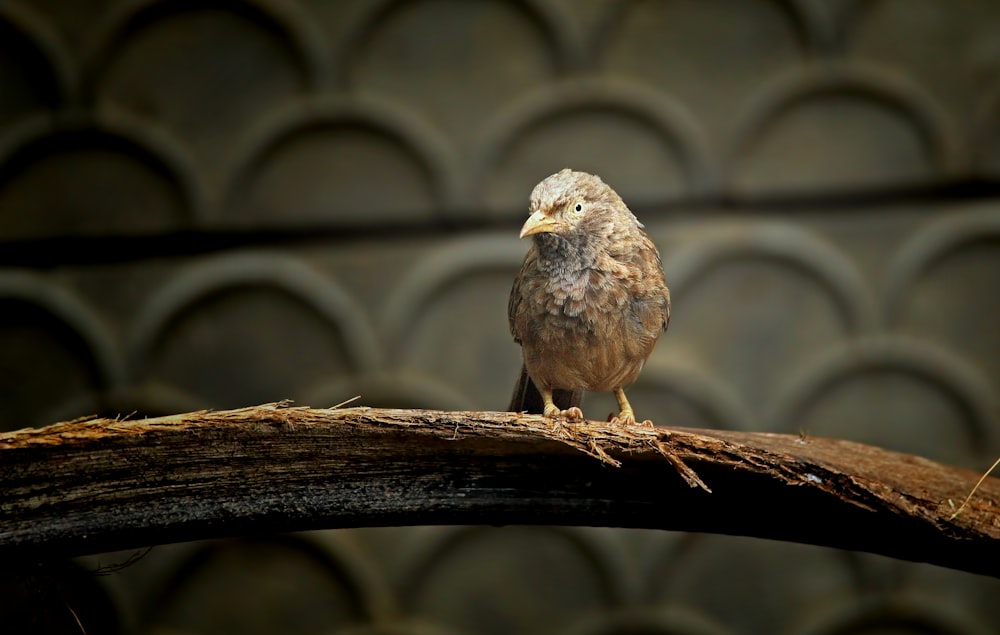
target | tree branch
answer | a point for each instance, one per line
(95, 485)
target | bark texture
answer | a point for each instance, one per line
(94, 485)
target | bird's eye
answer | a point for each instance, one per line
(578, 207)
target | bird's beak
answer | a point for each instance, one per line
(538, 223)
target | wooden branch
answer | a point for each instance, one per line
(95, 485)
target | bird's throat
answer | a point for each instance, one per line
(561, 257)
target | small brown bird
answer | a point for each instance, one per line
(590, 300)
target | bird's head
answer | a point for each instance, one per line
(579, 208)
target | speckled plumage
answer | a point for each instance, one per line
(590, 300)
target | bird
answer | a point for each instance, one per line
(590, 300)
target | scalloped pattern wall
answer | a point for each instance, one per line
(775, 150)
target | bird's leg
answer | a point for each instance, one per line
(626, 416)
(552, 410)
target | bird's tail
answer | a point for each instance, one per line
(526, 397)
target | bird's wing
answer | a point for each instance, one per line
(652, 285)
(649, 305)
(517, 293)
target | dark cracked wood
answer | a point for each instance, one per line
(99, 485)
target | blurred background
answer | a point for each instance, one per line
(218, 204)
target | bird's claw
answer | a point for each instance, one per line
(569, 413)
(627, 418)
(624, 418)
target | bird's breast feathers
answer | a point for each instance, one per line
(599, 300)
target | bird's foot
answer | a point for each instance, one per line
(569, 413)
(627, 418)
(624, 418)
